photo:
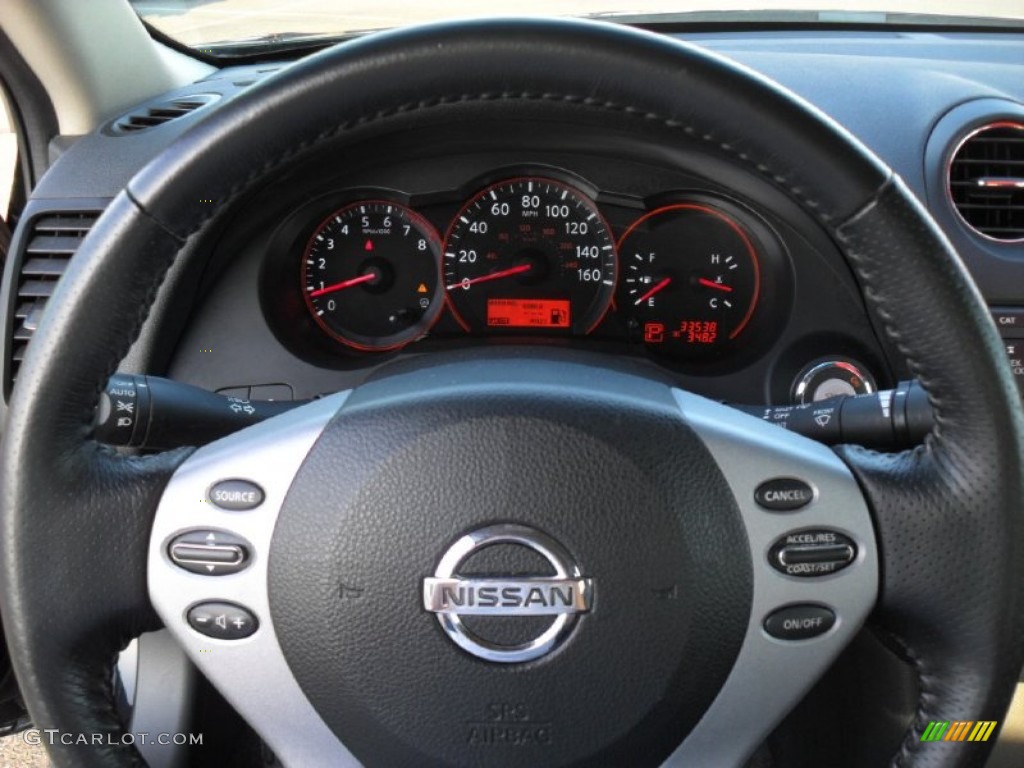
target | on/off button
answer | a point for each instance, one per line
(799, 622)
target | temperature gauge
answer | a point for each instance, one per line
(690, 277)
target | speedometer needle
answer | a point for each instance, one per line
(492, 276)
(712, 284)
(658, 286)
(343, 284)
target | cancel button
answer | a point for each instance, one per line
(799, 622)
(236, 495)
(783, 494)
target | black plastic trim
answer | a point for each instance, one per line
(34, 117)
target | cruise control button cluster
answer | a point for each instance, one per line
(235, 495)
(783, 494)
(224, 621)
(810, 553)
(211, 553)
(799, 622)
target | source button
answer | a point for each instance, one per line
(236, 495)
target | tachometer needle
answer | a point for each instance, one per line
(712, 284)
(657, 287)
(492, 276)
(344, 284)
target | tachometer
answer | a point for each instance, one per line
(529, 254)
(370, 275)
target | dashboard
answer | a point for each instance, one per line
(563, 240)
(559, 237)
(531, 254)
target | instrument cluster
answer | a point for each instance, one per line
(530, 255)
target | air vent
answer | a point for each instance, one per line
(51, 243)
(164, 112)
(986, 181)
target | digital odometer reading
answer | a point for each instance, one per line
(524, 313)
(687, 332)
(529, 253)
(691, 277)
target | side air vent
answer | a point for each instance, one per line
(986, 181)
(50, 244)
(164, 112)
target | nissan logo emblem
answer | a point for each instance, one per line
(563, 596)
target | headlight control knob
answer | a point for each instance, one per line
(823, 379)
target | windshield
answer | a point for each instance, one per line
(214, 24)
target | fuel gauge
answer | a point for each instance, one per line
(691, 277)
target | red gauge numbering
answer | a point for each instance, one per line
(370, 275)
(690, 277)
(529, 254)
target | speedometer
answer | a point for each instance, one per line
(529, 254)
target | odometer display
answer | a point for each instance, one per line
(370, 275)
(529, 254)
(526, 313)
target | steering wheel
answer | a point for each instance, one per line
(516, 558)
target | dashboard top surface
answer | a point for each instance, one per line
(907, 95)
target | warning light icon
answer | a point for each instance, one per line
(368, 246)
(654, 333)
(422, 288)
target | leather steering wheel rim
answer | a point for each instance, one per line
(77, 515)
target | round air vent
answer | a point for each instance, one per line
(986, 181)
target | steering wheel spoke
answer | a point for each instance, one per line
(223, 621)
(805, 590)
